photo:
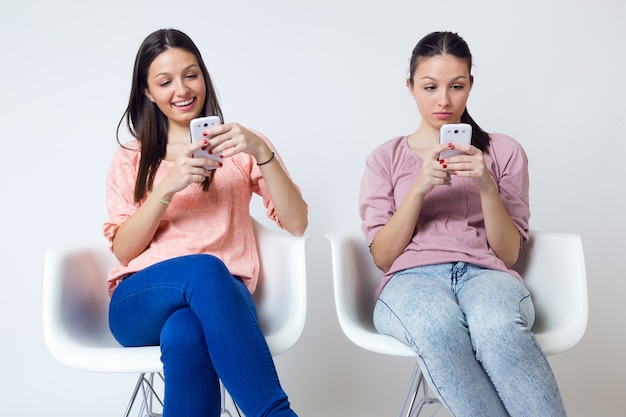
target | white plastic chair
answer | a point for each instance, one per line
(552, 265)
(75, 311)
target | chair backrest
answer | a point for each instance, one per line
(552, 265)
(75, 304)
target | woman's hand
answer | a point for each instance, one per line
(231, 138)
(433, 172)
(470, 165)
(185, 170)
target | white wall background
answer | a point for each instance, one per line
(325, 81)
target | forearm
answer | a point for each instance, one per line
(290, 208)
(394, 237)
(136, 233)
(502, 235)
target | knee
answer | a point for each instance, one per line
(182, 336)
(205, 272)
(424, 324)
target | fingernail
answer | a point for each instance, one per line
(210, 152)
(449, 145)
(204, 133)
(445, 166)
(441, 161)
(206, 142)
(221, 164)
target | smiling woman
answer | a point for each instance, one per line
(183, 235)
(176, 86)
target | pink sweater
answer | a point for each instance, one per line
(450, 227)
(216, 222)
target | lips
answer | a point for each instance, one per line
(443, 115)
(184, 103)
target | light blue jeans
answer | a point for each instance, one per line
(470, 328)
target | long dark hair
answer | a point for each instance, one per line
(449, 43)
(144, 119)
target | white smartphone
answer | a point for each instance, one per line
(196, 128)
(454, 133)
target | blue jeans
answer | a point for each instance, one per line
(470, 328)
(205, 321)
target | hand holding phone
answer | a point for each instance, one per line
(460, 133)
(196, 128)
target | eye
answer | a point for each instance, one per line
(458, 87)
(164, 83)
(430, 88)
(191, 76)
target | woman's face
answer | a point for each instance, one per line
(441, 86)
(176, 85)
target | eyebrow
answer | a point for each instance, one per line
(184, 69)
(434, 79)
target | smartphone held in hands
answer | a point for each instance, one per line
(196, 129)
(454, 133)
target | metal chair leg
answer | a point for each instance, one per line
(149, 395)
(411, 407)
(150, 398)
(224, 411)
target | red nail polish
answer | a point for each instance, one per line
(206, 142)
(204, 133)
(441, 161)
(445, 166)
(449, 145)
(221, 164)
(210, 152)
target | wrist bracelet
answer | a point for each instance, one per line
(160, 199)
(266, 162)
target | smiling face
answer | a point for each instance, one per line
(176, 85)
(441, 85)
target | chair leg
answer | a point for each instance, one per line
(148, 392)
(146, 385)
(224, 411)
(411, 407)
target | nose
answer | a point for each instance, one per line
(181, 89)
(444, 98)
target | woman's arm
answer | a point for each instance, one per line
(290, 208)
(395, 235)
(502, 234)
(135, 234)
(232, 138)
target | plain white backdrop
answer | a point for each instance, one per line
(324, 80)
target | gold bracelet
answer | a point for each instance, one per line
(160, 199)
(266, 162)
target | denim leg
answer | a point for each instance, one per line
(419, 308)
(144, 302)
(198, 393)
(500, 313)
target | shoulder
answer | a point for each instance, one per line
(389, 150)
(501, 143)
(126, 156)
